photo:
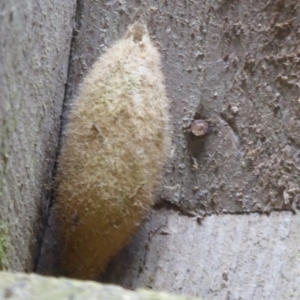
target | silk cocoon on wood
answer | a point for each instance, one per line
(115, 145)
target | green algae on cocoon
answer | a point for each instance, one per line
(115, 146)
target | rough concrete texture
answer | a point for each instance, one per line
(33, 287)
(35, 45)
(226, 257)
(233, 63)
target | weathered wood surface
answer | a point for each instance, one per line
(237, 63)
(226, 257)
(35, 46)
(20, 286)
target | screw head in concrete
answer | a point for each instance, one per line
(199, 128)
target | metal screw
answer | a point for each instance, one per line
(199, 127)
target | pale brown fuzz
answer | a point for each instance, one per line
(115, 146)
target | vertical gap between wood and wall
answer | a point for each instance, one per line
(62, 120)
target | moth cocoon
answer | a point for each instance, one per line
(115, 145)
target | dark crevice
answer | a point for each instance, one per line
(199, 217)
(176, 208)
(68, 92)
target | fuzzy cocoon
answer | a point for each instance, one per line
(115, 145)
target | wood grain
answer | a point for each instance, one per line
(35, 46)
